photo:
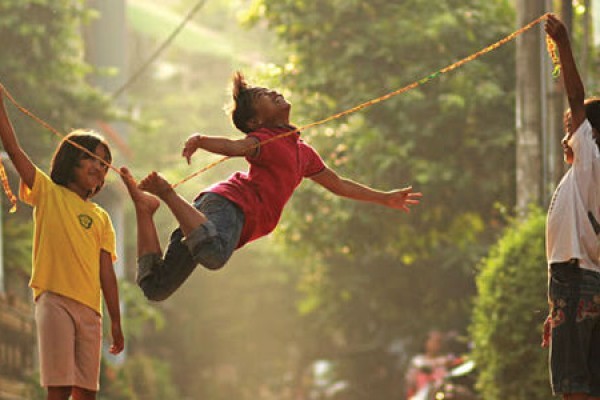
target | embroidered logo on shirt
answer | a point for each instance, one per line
(85, 221)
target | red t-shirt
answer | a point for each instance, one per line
(274, 174)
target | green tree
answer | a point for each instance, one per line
(509, 312)
(140, 377)
(364, 276)
(42, 67)
(375, 274)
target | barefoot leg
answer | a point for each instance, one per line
(145, 206)
(188, 217)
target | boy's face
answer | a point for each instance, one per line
(567, 150)
(271, 108)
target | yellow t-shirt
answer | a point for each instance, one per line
(69, 233)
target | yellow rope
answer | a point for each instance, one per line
(9, 193)
(55, 131)
(25, 111)
(551, 49)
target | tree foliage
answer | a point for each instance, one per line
(376, 274)
(140, 377)
(43, 68)
(509, 312)
(363, 276)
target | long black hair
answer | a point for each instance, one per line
(67, 157)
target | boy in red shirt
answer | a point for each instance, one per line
(246, 206)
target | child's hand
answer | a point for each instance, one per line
(118, 343)
(403, 198)
(191, 145)
(556, 29)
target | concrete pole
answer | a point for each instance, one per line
(106, 48)
(529, 109)
(106, 43)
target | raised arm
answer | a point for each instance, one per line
(572, 81)
(219, 145)
(399, 199)
(22, 163)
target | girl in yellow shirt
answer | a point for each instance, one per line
(73, 255)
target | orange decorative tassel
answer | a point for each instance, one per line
(9, 193)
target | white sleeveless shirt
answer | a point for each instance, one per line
(573, 222)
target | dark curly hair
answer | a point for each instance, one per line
(242, 109)
(592, 111)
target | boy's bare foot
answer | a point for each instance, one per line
(143, 201)
(157, 185)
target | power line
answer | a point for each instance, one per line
(159, 50)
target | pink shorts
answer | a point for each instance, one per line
(69, 342)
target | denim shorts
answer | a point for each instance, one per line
(211, 245)
(213, 242)
(574, 295)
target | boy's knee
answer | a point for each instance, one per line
(212, 263)
(147, 263)
(153, 292)
(206, 247)
(147, 279)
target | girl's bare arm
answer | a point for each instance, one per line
(25, 168)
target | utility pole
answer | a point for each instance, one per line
(106, 49)
(529, 107)
(553, 109)
(586, 43)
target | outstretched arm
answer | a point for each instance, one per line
(20, 160)
(572, 81)
(219, 145)
(399, 199)
(108, 282)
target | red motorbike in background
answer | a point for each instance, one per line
(457, 384)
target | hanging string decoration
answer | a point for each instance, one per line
(6, 187)
(553, 52)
